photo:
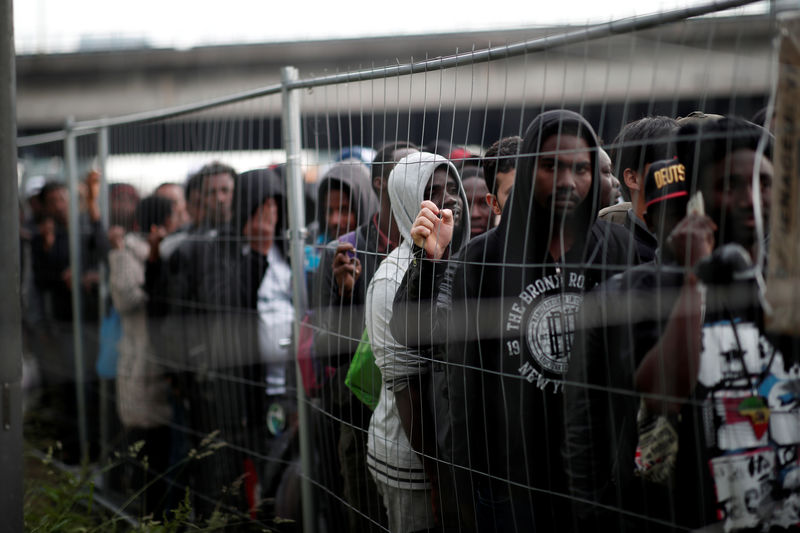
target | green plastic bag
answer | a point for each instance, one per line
(364, 376)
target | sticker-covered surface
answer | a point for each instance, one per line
(756, 427)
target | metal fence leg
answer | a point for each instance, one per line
(11, 458)
(294, 180)
(71, 157)
(106, 385)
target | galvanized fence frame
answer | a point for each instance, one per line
(289, 88)
(11, 449)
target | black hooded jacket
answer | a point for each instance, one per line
(503, 320)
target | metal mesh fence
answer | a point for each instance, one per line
(330, 304)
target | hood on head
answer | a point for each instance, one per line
(251, 191)
(355, 177)
(408, 182)
(528, 226)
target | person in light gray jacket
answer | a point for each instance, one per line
(394, 444)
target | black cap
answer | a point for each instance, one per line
(665, 180)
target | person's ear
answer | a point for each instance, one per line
(491, 199)
(632, 179)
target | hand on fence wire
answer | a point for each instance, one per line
(346, 268)
(433, 229)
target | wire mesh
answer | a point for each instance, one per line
(539, 353)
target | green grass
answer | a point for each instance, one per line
(62, 500)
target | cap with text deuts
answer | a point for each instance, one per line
(665, 180)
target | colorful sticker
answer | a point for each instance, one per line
(743, 425)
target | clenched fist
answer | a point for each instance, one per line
(433, 229)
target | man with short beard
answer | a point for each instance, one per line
(396, 451)
(502, 316)
(175, 267)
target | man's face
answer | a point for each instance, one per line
(609, 184)
(503, 182)
(174, 193)
(729, 195)
(442, 190)
(57, 205)
(340, 218)
(562, 179)
(217, 198)
(479, 211)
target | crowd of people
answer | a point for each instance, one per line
(556, 334)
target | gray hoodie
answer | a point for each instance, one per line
(407, 184)
(390, 457)
(355, 176)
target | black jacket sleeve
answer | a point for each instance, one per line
(423, 301)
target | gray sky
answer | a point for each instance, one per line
(58, 25)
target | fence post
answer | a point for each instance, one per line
(102, 158)
(106, 390)
(74, 229)
(290, 126)
(11, 458)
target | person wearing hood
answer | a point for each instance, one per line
(355, 212)
(344, 197)
(251, 271)
(345, 201)
(240, 365)
(503, 316)
(394, 462)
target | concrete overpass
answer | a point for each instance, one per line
(707, 57)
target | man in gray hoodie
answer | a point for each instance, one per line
(395, 448)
